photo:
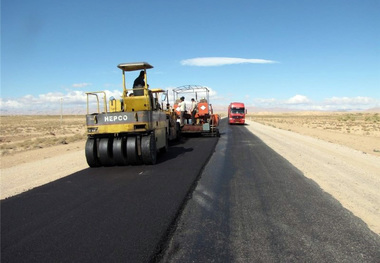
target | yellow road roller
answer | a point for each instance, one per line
(130, 130)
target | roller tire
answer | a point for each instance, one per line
(105, 152)
(132, 157)
(148, 149)
(166, 147)
(91, 151)
(119, 150)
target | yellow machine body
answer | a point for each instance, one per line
(134, 124)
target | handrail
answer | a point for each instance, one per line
(95, 93)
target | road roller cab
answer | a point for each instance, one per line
(132, 129)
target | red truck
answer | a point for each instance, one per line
(236, 113)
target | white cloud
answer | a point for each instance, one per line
(298, 99)
(350, 101)
(262, 102)
(81, 85)
(73, 102)
(50, 97)
(10, 104)
(212, 92)
(220, 61)
(301, 102)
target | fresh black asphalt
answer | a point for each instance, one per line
(248, 204)
(113, 214)
(252, 205)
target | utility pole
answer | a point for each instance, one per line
(61, 111)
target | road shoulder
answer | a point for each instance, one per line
(350, 176)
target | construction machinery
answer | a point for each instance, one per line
(132, 129)
(205, 122)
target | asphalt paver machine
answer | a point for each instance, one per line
(206, 122)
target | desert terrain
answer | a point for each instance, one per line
(360, 131)
(39, 149)
(25, 133)
(21, 134)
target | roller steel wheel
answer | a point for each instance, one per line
(91, 151)
(119, 150)
(132, 156)
(105, 152)
(148, 149)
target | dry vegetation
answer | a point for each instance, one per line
(360, 131)
(22, 133)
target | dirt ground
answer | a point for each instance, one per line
(360, 131)
(25, 133)
(340, 152)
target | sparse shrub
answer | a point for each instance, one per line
(348, 117)
(374, 118)
(32, 132)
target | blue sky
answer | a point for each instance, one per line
(313, 55)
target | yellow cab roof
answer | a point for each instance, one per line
(134, 66)
(157, 90)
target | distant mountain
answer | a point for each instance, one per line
(374, 110)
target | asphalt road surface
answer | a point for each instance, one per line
(116, 214)
(251, 205)
(248, 204)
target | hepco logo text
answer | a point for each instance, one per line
(115, 118)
